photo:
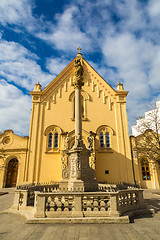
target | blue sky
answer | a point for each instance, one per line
(38, 38)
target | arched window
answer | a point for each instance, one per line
(105, 134)
(56, 140)
(145, 170)
(53, 138)
(104, 140)
(50, 140)
(101, 140)
(107, 140)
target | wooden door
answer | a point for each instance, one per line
(12, 172)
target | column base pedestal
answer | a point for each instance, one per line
(71, 185)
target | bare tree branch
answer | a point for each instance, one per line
(148, 140)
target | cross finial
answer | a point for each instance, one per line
(79, 49)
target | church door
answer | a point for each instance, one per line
(12, 173)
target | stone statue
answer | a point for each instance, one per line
(77, 141)
(90, 141)
(78, 83)
(66, 144)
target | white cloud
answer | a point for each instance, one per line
(122, 51)
(131, 14)
(19, 16)
(15, 12)
(56, 65)
(13, 51)
(19, 65)
(137, 62)
(14, 109)
(154, 8)
(66, 34)
(154, 74)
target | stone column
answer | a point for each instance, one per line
(78, 113)
(78, 83)
(80, 176)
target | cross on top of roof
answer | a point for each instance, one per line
(79, 49)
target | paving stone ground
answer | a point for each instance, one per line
(13, 227)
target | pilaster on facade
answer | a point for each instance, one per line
(36, 116)
(123, 132)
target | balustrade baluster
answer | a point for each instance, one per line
(88, 203)
(102, 205)
(95, 204)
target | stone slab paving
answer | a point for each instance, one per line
(13, 227)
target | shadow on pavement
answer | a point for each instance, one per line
(153, 203)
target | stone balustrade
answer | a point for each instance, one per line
(41, 188)
(103, 187)
(129, 200)
(82, 204)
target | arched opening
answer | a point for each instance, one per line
(12, 171)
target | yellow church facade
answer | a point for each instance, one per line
(40, 158)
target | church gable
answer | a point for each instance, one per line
(10, 140)
(63, 83)
(91, 77)
(97, 96)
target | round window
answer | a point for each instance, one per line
(6, 140)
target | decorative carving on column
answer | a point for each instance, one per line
(65, 169)
(66, 143)
(78, 141)
(93, 161)
(90, 141)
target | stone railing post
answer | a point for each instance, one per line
(141, 199)
(113, 210)
(39, 205)
(77, 212)
(20, 199)
(16, 200)
(25, 197)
